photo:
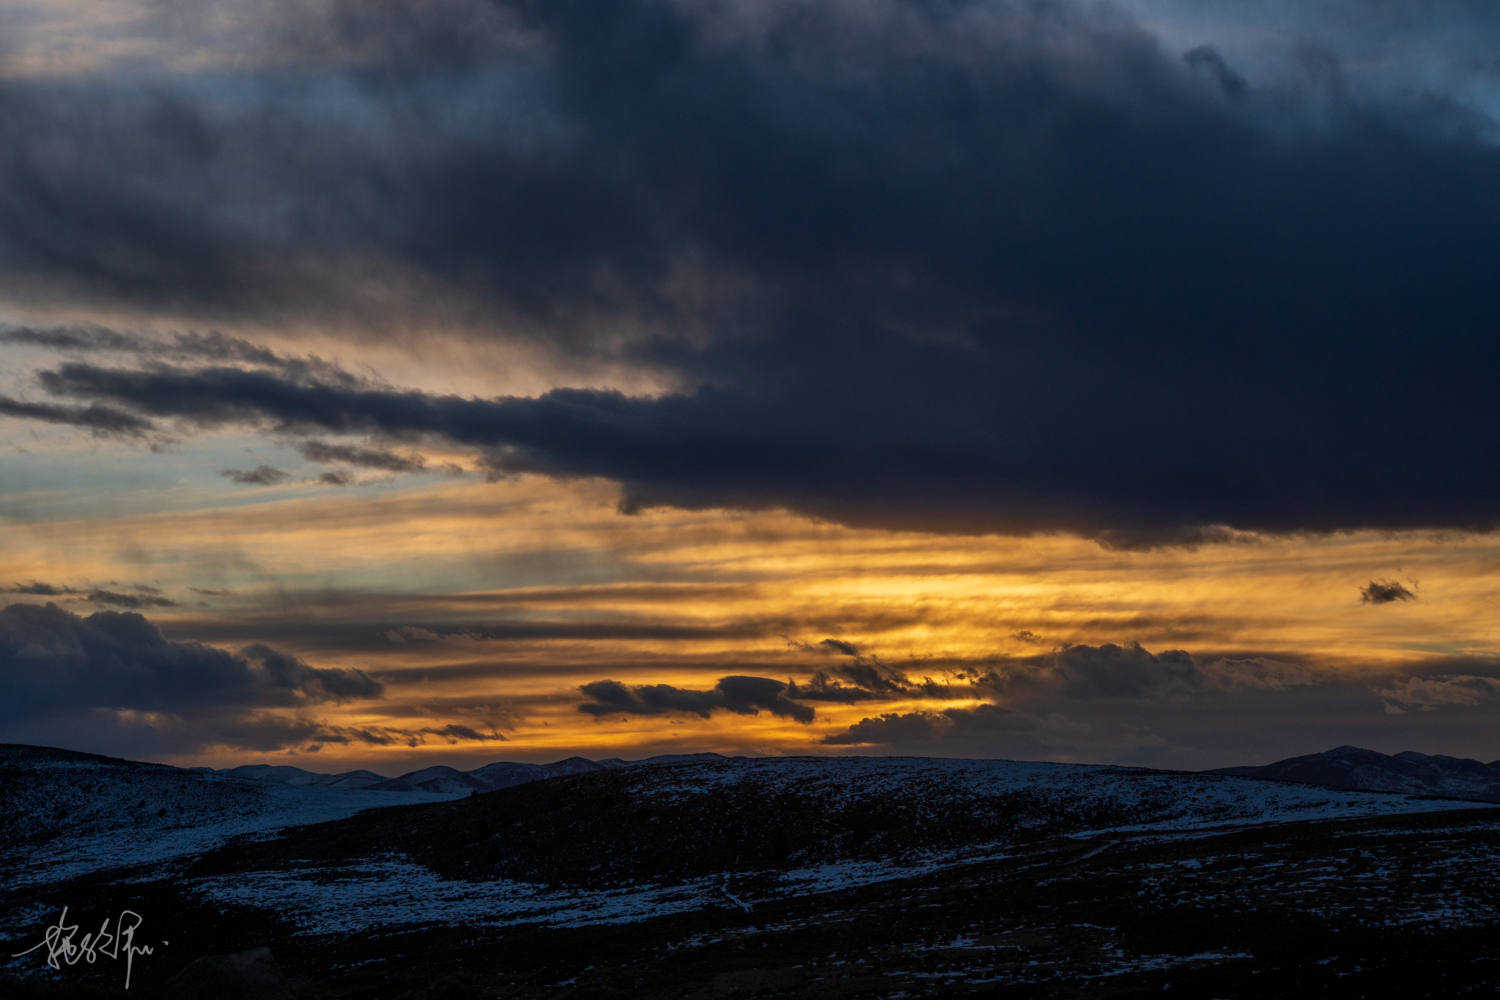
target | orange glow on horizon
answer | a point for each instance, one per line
(515, 594)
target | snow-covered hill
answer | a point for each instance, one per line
(625, 844)
(489, 778)
(505, 774)
(1410, 772)
(789, 849)
(644, 835)
(446, 780)
(286, 775)
(508, 774)
(1082, 796)
(68, 813)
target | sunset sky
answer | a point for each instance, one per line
(410, 382)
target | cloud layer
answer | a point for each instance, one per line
(114, 670)
(989, 266)
(55, 662)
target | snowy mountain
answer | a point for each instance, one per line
(500, 774)
(667, 758)
(648, 862)
(433, 779)
(69, 813)
(676, 819)
(489, 778)
(1410, 773)
(505, 774)
(287, 775)
(625, 844)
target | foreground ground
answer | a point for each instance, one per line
(743, 897)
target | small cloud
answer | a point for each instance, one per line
(263, 475)
(368, 458)
(1027, 636)
(1384, 592)
(825, 647)
(36, 588)
(206, 592)
(412, 633)
(338, 477)
(740, 695)
(454, 733)
(115, 599)
(142, 595)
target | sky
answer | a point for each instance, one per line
(412, 382)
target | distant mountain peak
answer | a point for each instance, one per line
(441, 778)
(487, 778)
(285, 774)
(1408, 772)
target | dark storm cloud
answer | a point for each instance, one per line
(111, 681)
(1069, 673)
(77, 338)
(1384, 592)
(1279, 708)
(740, 695)
(749, 695)
(949, 266)
(178, 347)
(1111, 671)
(1037, 703)
(285, 671)
(103, 421)
(1205, 59)
(55, 663)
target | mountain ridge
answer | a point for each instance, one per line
(442, 779)
(286, 774)
(1408, 772)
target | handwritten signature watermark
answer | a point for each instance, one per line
(61, 946)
